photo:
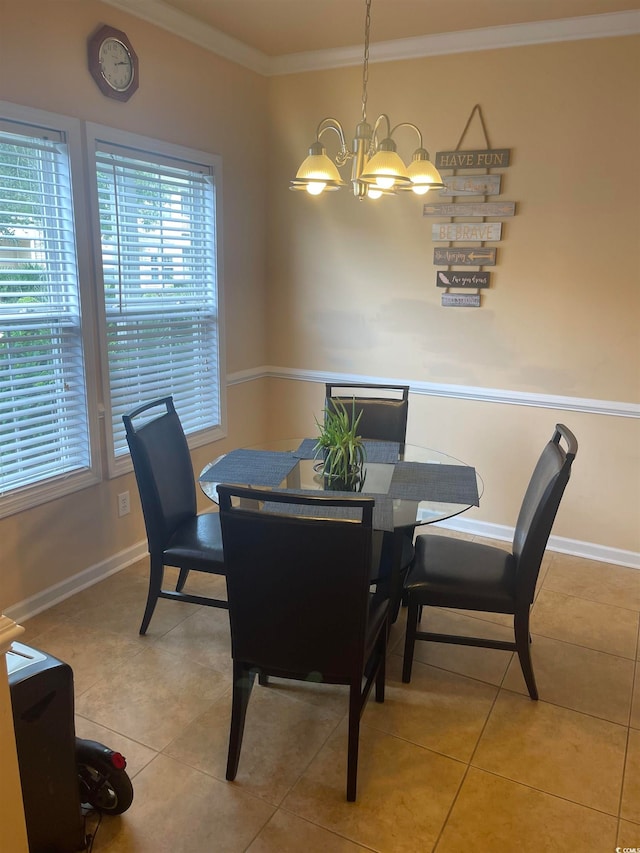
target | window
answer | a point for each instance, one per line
(45, 443)
(157, 219)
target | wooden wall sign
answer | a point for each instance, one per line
(472, 208)
(458, 187)
(455, 278)
(464, 256)
(453, 232)
(461, 300)
(471, 185)
(488, 158)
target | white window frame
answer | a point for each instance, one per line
(25, 497)
(104, 136)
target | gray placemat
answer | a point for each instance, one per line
(251, 468)
(377, 451)
(382, 451)
(382, 509)
(426, 481)
(306, 449)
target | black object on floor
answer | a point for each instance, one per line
(42, 699)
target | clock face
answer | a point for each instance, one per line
(116, 64)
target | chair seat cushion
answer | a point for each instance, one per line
(197, 544)
(450, 572)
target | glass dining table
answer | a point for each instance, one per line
(411, 485)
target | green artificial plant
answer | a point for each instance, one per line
(341, 448)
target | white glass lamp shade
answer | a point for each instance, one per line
(385, 169)
(423, 174)
(317, 172)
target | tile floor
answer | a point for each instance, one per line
(461, 759)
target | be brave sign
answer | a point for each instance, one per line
(479, 232)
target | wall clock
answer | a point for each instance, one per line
(113, 63)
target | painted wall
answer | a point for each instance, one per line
(352, 284)
(187, 96)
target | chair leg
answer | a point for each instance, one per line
(156, 573)
(410, 640)
(242, 683)
(355, 700)
(182, 579)
(523, 647)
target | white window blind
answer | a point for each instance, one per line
(158, 236)
(44, 431)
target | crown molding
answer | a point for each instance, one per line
(465, 41)
(489, 38)
(165, 16)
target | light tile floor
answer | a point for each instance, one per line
(461, 759)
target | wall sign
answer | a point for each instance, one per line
(464, 256)
(454, 278)
(473, 208)
(459, 300)
(479, 231)
(471, 185)
(488, 158)
(454, 231)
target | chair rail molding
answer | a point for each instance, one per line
(459, 392)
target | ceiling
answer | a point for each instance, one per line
(276, 28)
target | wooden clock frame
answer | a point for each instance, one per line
(93, 47)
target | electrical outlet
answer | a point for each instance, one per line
(123, 504)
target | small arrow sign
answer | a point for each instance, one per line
(464, 256)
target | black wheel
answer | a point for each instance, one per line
(102, 786)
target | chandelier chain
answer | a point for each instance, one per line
(365, 66)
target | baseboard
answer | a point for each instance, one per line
(575, 547)
(88, 577)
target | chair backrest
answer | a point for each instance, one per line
(297, 584)
(539, 508)
(384, 408)
(163, 469)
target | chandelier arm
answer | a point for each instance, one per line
(375, 140)
(333, 124)
(408, 124)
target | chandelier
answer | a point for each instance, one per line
(377, 169)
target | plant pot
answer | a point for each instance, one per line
(354, 483)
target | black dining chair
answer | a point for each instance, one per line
(177, 535)
(299, 602)
(466, 575)
(383, 411)
(384, 408)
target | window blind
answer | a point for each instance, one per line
(158, 236)
(44, 431)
